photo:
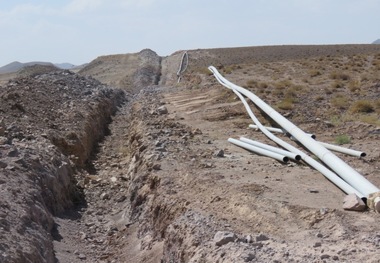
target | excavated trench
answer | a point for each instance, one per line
(112, 177)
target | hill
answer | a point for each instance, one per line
(125, 70)
(16, 66)
(376, 41)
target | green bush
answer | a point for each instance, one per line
(342, 139)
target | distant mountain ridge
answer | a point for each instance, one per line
(16, 66)
(376, 41)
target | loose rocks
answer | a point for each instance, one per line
(354, 203)
(221, 238)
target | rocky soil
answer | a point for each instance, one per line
(91, 173)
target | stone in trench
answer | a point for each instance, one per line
(261, 237)
(221, 238)
(353, 203)
(3, 164)
(104, 196)
(156, 166)
(162, 110)
(219, 153)
(3, 140)
(2, 127)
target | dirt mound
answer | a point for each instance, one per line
(34, 70)
(49, 126)
(127, 71)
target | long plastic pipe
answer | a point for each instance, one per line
(313, 163)
(344, 150)
(346, 172)
(331, 147)
(259, 150)
(272, 129)
(291, 155)
(181, 67)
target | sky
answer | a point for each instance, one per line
(78, 31)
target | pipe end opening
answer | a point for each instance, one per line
(298, 157)
(285, 159)
(363, 154)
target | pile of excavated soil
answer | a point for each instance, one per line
(49, 127)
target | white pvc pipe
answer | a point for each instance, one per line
(313, 163)
(346, 172)
(344, 150)
(278, 130)
(331, 147)
(259, 150)
(181, 67)
(291, 155)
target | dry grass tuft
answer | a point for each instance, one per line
(362, 106)
(339, 75)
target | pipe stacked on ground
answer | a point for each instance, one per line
(331, 147)
(352, 182)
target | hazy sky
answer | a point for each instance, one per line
(78, 31)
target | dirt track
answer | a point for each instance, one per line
(158, 192)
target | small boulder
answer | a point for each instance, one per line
(3, 140)
(221, 238)
(162, 110)
(353, 203)
(261, 237)
(219, 153)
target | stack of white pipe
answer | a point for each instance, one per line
(349, 180)
(331, 147)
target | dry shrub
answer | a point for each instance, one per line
(252, 83)
(286, 104)
(340, 101)
(339, 75)
(354, 85)
(362, 106)
(337, 85)
(319, 98)
(377, 105)
(371, 119)
(263, 85)
(283, 84)
(204, 71)
(314, 73)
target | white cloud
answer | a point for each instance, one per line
(136, 3)
(80, 6)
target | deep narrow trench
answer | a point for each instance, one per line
(95, 229)
(85, 233)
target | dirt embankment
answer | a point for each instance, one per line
(50, 125)
(129, 72)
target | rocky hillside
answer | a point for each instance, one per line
(129, 71)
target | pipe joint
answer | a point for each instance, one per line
(373, 201)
